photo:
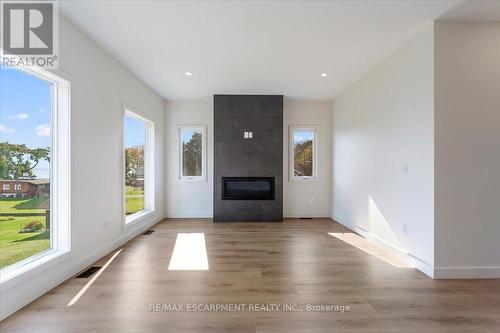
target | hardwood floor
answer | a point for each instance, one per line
(295, 262)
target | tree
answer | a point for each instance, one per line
(5, 168)
(303, 158)
(17, 160)
(134, 161)
(191, 155)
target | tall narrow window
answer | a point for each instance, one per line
(303, 142)
(139, 162)
(192, 151)
(34, 168)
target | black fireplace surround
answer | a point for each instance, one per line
(247, 188)
(248, 171)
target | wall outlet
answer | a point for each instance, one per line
(405, 229)
(405, 168)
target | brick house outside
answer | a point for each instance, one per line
(24, 188)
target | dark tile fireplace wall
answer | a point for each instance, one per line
(259, 156)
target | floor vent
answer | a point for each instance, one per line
(89, 272)
(149, 232)
(305, 218)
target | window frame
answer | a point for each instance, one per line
(291, 153)
(149, 166)
(60, 175)
(203, 130)
(6, 187)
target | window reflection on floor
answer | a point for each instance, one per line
(190, 253)
(391, 257)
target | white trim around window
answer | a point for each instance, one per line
(60, 189)
(291, 162)
(202, 128)
(149, 171)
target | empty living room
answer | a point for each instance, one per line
(250, 166)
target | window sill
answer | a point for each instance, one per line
(28, 264)
(138, 217)
(193, 180)
(303, 179)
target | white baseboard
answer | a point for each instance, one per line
(467, 272)
(189, 215)
(209, 214)
(422, 266)
(15, 297)
(306, 213)
(433, 272)
(416, 262)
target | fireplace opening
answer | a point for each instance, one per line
(247, 188)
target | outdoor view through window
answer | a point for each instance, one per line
(25, 148)
(135, 136)
(191, 152)
(303, 153)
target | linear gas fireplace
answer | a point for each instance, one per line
(247, 188)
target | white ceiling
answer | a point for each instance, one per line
(251, 47)
(483, 10)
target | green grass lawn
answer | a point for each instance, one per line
(24, 205)
(15, 246)
(134, 200)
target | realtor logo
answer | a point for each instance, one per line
(29, 33)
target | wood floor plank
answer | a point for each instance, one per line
(296, 263)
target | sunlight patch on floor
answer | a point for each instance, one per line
(92, 280)
(391, 257)
(190, 253)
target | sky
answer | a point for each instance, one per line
(25, 111)
(187, 134)
(301, 136)
(135, 132)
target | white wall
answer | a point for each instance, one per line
(308, 199)
(99, 86)
(188, 199)
(382, 123)
(467, 149)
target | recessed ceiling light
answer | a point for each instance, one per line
(324, 74)
(189, 73)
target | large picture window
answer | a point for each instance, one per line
(303, 151)
(34, 168)
(139, 165)
(192, 152)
